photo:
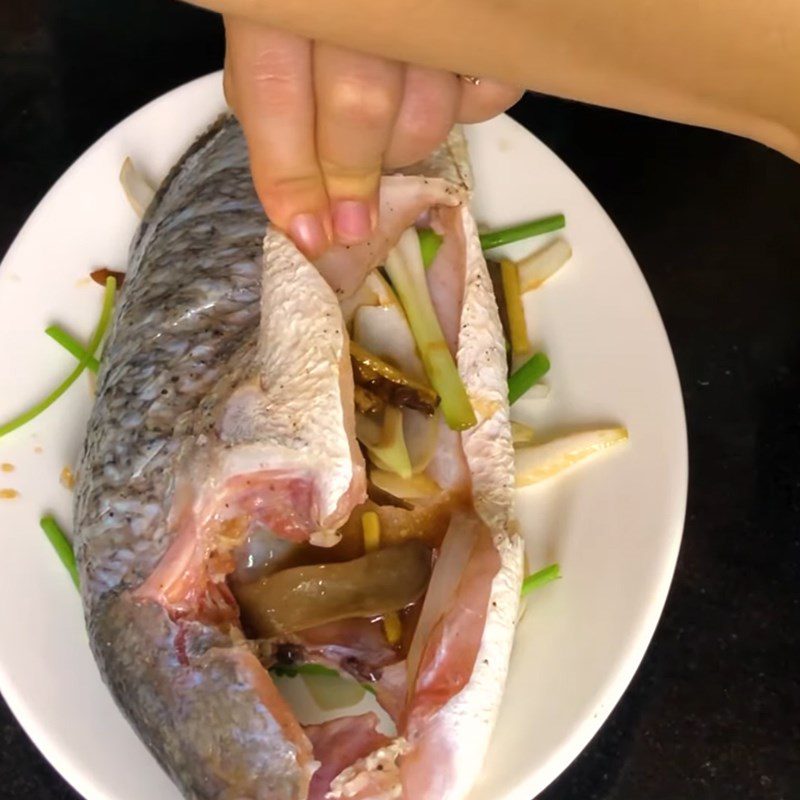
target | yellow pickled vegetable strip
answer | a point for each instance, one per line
(371, 525)
(520, 345)
(392, 627)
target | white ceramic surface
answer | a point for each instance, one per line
(614, 525)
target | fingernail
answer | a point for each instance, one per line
(308, 234)
(351, 221)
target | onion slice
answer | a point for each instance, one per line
(384, 330)
(137, 188)
(373, 293)
(534, 464)
(385, 443)
(421, 434)
(536, 268)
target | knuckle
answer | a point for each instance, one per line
(413, 144)
(300, 184)
(289, 185)
(284, 196)
(361, 103)
(344, 181)
(426, 126)
(418, 135)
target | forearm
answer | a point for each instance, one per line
(730, 65)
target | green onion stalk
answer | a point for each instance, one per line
(94, 343)
(73, 346)
(531, 372)
(430, 241)
(407, 274)
(61, 545)
(540, 578)
(525, 230)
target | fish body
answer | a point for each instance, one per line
(224, 402)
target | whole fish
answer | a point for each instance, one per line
(223, 440)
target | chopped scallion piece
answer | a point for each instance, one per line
(407, 273)
(532, 371)
(97, 336)
(72, 346)
(429, 244)
(540, 578)
(61, 545)
(430, 241)
(524, 230)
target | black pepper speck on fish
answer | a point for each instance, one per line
(222, 451)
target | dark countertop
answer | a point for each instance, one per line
(714, 711)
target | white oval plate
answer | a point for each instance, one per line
(614, 525)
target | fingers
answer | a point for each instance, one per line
(268, 83)
(431, 99)
(485, 100)
(358, 97)
(321, 125)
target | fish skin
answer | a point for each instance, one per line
(467, 720)
(170, 341)
(190, 304)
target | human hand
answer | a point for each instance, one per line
(322, 121)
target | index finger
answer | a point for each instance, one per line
(269, 82)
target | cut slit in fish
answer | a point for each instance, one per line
(244, 393)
